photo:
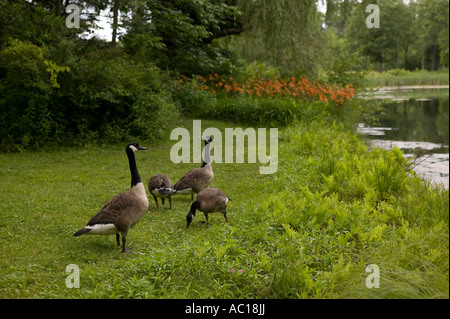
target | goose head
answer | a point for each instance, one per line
(189, 218)
(208, 140)
(135, 147)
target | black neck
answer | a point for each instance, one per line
(195, 205)
(135, 178)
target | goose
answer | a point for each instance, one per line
(210, 200)
(123, 211)
(161, 186)
(196, 179)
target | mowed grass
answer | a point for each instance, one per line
(46, 196)
(308, 231)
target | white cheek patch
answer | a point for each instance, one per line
(133, 148)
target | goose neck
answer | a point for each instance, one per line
(135, 178)
(207, 155)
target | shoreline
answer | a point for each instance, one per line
(411, 87)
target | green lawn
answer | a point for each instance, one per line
(308, 231)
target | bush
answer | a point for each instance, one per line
(225, 99)
(101, 94)
(110, 93)
(28, 81)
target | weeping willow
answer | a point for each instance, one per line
(282, 33)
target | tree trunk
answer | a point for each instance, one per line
(58, 8)
(423, 59)
(380, 66)
(433, 58)
(115, 22)
(405, 61)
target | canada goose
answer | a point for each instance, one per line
(196, 179)
(210, 200)
(123, 211)
(161, 186)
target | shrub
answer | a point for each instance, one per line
(103, 94)
(218, 100)
(28, 81)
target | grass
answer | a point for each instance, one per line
(307, 231)
(399, 77)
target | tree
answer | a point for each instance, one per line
(337, 14)
(384, 44)
(180, 34)
(116, 5)
(285, 34)
(432, 22)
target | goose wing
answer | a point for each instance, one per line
(116, 207)
(188, 179)
(159, 181)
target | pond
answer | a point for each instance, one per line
(417, 122)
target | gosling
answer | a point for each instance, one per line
(210, 200)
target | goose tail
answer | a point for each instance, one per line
(82, 231)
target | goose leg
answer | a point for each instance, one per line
(156, 201)
(118, 239)
(124, 239)
(225, 215)
(170, 201)
(207, 221)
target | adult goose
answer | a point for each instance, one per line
(210, 200)
(196, 179)
(161, 186)
(123, 211)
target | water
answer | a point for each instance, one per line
(417, 122)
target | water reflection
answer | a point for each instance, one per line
(417, 123)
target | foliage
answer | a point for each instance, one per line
(410, 35)
(349, 68)
(179, 34)
(289, 235)
(275, 101)
(273, 87)
(110, 94)
(284, 34)
(99, 95)
(307, 231)
(28, 116)
(433, 33)
(258, 101)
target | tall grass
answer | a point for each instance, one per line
(399, 77)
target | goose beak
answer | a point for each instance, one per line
(141, 148)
